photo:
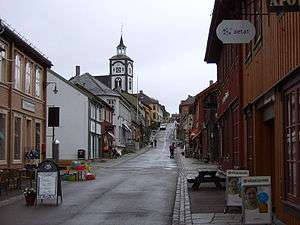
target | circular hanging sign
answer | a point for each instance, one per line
(235, 31)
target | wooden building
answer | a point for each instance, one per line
(204, 135)
(265, 76)
(22, 99)
(271, 64)
(229, 74)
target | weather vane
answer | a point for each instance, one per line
(122, 29)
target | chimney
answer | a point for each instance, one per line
(211, 82)
(77, 70)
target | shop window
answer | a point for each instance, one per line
(17, 71)
(28, 71)
(17, 138)
(38, 81)
(292, 139)
(2, 136)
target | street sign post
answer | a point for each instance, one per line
(235, 31)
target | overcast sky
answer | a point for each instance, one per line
(165, 38)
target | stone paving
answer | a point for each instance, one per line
(188, 168)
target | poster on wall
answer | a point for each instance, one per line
(256, 199)
(233, 186)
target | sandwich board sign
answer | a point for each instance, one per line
(256, 199)
(48, 182)
(233, 187)
(235, 31)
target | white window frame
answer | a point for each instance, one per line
(4, 161)
(28, 77)
(18, 72)
(2, 62)
(17, 161)
(38, 82)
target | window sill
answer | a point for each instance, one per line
(291, 208)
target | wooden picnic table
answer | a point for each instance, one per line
(206, 175)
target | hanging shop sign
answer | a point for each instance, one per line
(48, 181)
(284, 5)
(256, 200)
(235, 31)
(233, 187)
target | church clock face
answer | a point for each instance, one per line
(118, 69)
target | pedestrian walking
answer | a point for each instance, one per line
(155, 143)
(172, 149)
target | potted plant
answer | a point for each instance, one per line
(30, 196)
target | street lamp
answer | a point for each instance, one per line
(55, 91)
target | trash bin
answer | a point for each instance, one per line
(81, 154)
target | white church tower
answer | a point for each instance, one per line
(121, 69)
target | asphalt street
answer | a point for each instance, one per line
(138, 191)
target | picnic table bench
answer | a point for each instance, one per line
(207, 176)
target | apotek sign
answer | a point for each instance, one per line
(284, 5)
(235, 31)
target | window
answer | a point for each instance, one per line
(2, 63)
(292, 139)
(17, 138)
(130, 84)
(247, 10)
(118, 82)
(257, 21)
(18, 71)
(129, 70)
(2, 136)
(37, 137)
(38, 82)
(93, 115)
(28, 71)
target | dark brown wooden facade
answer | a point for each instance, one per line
(271, 99)
(229, 74)
(268, 99)
(22, 100)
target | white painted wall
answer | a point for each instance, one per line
(73, 130)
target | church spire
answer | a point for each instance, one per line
(121, 49)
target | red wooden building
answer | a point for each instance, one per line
(228, 59)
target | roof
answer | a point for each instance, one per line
(79, 88)
(93, 85)
(121, 56)
(10, 34)
(208, 90)
(189, 101)
(104, 79)
(121, 45)
(145, 99)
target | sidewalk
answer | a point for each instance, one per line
(204, 206)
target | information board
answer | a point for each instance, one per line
(47, 185)
(256, 198)
(233, 186)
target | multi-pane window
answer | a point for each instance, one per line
(17, 138)
(292, 138)
(38, 81)
(2, 136)
(18, 71)
(2, 63)
(28, 72)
